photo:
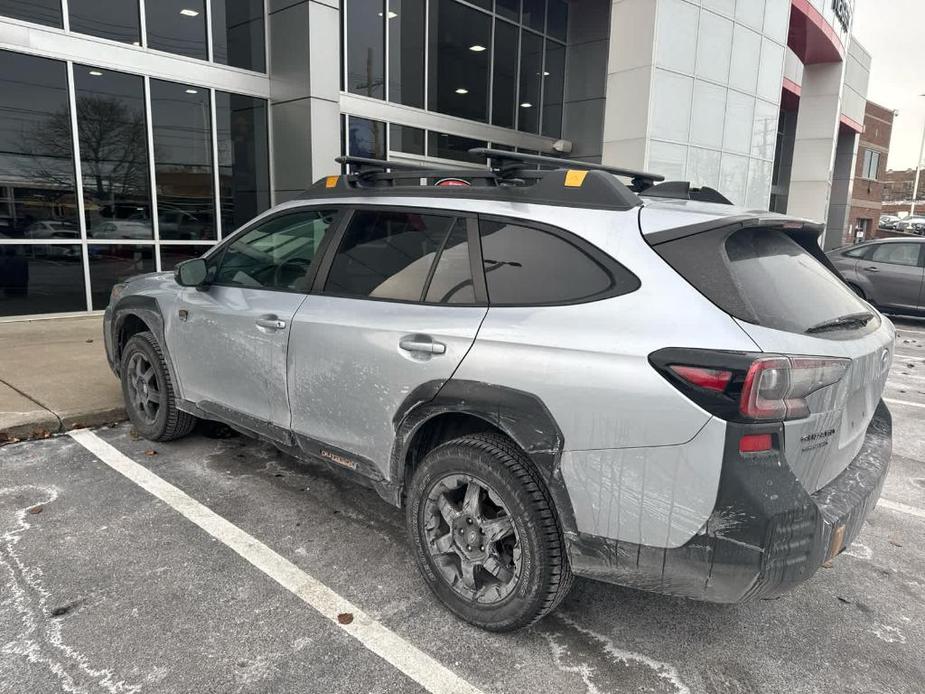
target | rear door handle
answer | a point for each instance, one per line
(410, 344)
(871, 268)
(270, 322)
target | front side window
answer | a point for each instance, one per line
(897, 254)
(387, 255)
(277, 254)
(525, 266)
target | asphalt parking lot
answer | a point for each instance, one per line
(208, 576)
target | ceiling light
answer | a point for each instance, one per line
(477, 48)
(96, 73)
(392, 15)
(526, 104)
(545, 74)
(462, 90)
(189, 13)
(192, 91)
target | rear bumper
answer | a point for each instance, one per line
(766, 533)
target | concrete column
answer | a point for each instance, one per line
(815, 141)
(304, 93)
(836, 227)
(629, 82)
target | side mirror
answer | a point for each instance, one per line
(191, 273)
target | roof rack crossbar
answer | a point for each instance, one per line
(377, 165)
(501, 155)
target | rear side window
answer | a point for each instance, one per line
(896, 254)
(857, 252)
(528, 266)
(762, 276)
(387, 255)
(451, 282)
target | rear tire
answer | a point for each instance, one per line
(485, 533)
(148, 391)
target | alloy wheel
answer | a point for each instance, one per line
(144, 392)
(472, 539)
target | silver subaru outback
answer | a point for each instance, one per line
(554, 373)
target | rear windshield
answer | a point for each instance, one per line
(762, 276)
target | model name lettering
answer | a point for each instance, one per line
(339, 459)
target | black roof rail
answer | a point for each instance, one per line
(514, 161)
(365, 165)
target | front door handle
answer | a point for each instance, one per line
(270, 322)
(411, 344)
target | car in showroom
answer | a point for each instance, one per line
(553, 372)
(889, 273)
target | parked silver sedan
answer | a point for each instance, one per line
(890, 273)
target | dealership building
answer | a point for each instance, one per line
(137, 133)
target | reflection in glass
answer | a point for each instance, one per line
(504, 86)
(171, 255)
(41, 279)
(403, 138)
(182, 161)
(460, 42)
(37, 191)
(238, 37)
(177, 26)
(455, 147)
(531, 68)
(243, 158)
(366, 138)
(534, 14)
(113, 153)
(109, 19)
(113, 263)
(406, 52)
(557, 19)
(509, 9)
(366, 48)
(46, 12)
(553, 86)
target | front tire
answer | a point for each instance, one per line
(148, 391)
(486, 535)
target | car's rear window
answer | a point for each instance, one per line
(762, 276)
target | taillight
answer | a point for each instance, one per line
(744, 386)
(776, 387)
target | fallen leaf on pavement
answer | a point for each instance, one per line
(895, 543)
(150, 451)
(345, 618)
(35, 509)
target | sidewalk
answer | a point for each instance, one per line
(54, 376)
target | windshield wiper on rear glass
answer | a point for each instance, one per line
(852, 320)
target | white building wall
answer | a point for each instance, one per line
(713, 85)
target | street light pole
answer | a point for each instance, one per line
(918, 171)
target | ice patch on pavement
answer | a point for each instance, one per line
(39, 639)
(889, 634)
(859, 551)
(592, 656)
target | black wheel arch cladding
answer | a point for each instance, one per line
(519, 415)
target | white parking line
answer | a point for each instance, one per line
(913, 357)
(901, 508)
(388, 645)
(893, 401)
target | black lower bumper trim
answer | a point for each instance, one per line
(766, 533)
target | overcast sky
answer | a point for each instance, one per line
(894, 33)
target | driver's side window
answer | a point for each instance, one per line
(277, 254)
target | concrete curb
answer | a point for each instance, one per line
(38, 423)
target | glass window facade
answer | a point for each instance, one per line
(177, 26)
(181, 123)
(403, 138)
(109, 19)
(114, 163)
(112, 263)
(482, 60)
(239, 34)
(243, 158)
(366, 138)
(39, 11)
(41, 279)
(445, 146)
(36, 149)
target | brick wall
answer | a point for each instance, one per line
(870, 172)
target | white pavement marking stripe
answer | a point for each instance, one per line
(904, 402)
(388, 645)
(901, 508)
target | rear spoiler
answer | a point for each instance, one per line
(802, 231)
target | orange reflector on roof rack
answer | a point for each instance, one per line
(331, 181)
(574, 178)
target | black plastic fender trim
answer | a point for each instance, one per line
(520, 415)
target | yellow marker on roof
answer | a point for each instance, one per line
(574, 178)
(331, 181)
